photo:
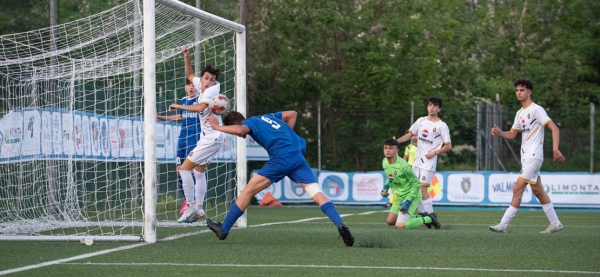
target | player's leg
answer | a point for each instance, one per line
(393, 213)
(518, 189)
(302, 174)
(182, 152)
(542, 196)
(406, 221)
(205, 150)
(185, 171)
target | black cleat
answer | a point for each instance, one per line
(216, 228)
(426, 224)
(435, 221)
(345, 234)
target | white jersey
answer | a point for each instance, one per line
(530, 122)
(204, 98)
(432, 136)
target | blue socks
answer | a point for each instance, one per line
(233, 214)
(329, 210)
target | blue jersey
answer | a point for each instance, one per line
(190, 121)
(274, 134)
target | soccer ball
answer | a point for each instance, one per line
(219, 104)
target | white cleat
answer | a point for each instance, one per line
(190, 211)
(199, 214)
(552, 228)
(500, 228)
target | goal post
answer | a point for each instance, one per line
(82, 154)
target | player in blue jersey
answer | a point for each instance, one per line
(190, 131)
(275, 133)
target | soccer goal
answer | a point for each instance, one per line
(81, 152)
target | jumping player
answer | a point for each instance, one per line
(210, 142)
(286, 150)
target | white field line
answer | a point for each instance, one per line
(107, 251)
(349, 267)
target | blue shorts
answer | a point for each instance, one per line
(292, 164)
(184, 147)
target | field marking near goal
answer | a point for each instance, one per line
(107, 251)
(349, 267)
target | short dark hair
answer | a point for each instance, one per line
(434, 100)
(390, 142)
(233, 118)
(212, 70)
(524, 82)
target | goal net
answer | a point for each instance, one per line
(72, 126)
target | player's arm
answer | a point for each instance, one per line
(405, 137)
(199, 107)
(238, 130)
(434, 152)
(558, 156)
(289, 117)
(189, 71)
(512, 134)
(406, 151)
(169, 117)
(412, 180)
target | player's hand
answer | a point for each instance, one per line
(384, 192)
(405, 205)
(173, 107)
(212, 120)
(185, 51)
(430, 155)
(558, 157)
(495, 130)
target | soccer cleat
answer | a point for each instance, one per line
(500, 228)
(183, 207)
(345, 234)
(426, 224)
(199, 214)
(216, 228)
(190, 210)
(552, 228)
(434, 221)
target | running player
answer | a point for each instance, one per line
(210, 142)
(530, 120)
(190, 131)
(286, 150)
(434, 139)
(405, 185)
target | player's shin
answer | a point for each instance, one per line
(416, 222)
(188, 185)
(232, 216)
(200, 187)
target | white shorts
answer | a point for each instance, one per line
(205, 150)
(530, 170)
(425, 176)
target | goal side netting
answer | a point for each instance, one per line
(74, 132)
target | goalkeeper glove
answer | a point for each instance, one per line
(405, 206)
(384, 192)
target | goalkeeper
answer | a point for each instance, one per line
(405, 184)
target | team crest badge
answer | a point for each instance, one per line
(434, 130)
(465, 184)
(333, 186)
(528, 116)
(423, 178)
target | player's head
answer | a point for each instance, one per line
(390, 148)
(190, 90)
(434, 105)
(233, 118)
(523, 88)
(209, 76)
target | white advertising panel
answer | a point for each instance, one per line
(32, 124)
(500, 188)
(335, 185)
(466, 187)
(367, 186)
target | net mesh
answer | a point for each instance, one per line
(71, 126)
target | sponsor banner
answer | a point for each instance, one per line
(48, 133)
(466, 187)
(483, 188)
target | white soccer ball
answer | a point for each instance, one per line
(219, 104)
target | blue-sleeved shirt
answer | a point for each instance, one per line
(274, 134)
(190, 121)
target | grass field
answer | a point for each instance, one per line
(300, 241)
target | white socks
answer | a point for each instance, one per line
(508, 215)
(550, 213)
(188, 185)
(200, 187)
(428, 205)
(421, 208)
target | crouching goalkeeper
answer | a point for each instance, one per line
(405, 184)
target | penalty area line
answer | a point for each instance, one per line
(349, 267)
